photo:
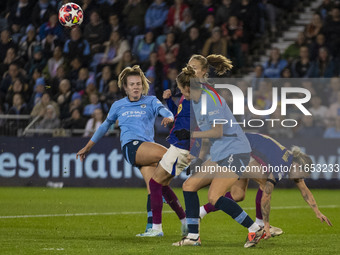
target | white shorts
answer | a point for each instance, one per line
(175, 160)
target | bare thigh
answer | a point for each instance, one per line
(256, 174)
(199, 180)
(148, 172)
(219, 186)
(162, 176)
(147, 157)
(149, 153)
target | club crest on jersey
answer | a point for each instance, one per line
(135, 142)
(143, 106)
(180, 107)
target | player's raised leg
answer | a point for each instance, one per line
(236, 193)
(171, 165)
(148, 155)
(274, 231)
(216, 198)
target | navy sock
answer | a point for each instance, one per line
(234, 210)
(192, 206)
(148, 208)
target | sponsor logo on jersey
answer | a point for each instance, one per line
(214, 112)
(133, 113)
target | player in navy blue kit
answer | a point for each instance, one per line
(175, 159)
(229, 148)
(274, 162)
(136, 115)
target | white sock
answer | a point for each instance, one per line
(184, 221)
(193, 236)
(253, 228)
(157, 227)
(203, 212)
(259, 222)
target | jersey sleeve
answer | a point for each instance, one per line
(171, 105)
(101, 131)
(159, 108)
(104, 127)
(112, 115)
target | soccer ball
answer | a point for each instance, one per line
(70, 15)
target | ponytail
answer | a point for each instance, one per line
(219, 62)
(184, 77)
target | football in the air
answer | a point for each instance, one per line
(70, 15)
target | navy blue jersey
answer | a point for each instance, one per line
(269, 152)
(182, 121)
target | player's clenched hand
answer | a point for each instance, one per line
(167, 94)
(182, 134)
(267, 230)
(167, 121)
(82, 153)
(323, 218)
(190, 158)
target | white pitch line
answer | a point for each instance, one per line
(131, 213)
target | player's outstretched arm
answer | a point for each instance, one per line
(265, 205)
(166, 121)
(82, 153)
(204, 148)
(309, 198)
(100, 132)
(167, 115)
(170, 103)
(214, 132)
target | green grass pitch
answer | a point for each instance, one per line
(119, 214)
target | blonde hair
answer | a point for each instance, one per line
(301, 158)
(184, 77)
(133, 71)
(219, 62)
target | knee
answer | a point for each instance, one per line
(161, 176)
(238, 197)
(187, 186)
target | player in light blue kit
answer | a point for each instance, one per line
(229, 149)
(266, 154)
(136, 115)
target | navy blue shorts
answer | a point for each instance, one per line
(235, 162)
(130, 150)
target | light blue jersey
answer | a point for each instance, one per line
(136, 119)
(233, 140)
